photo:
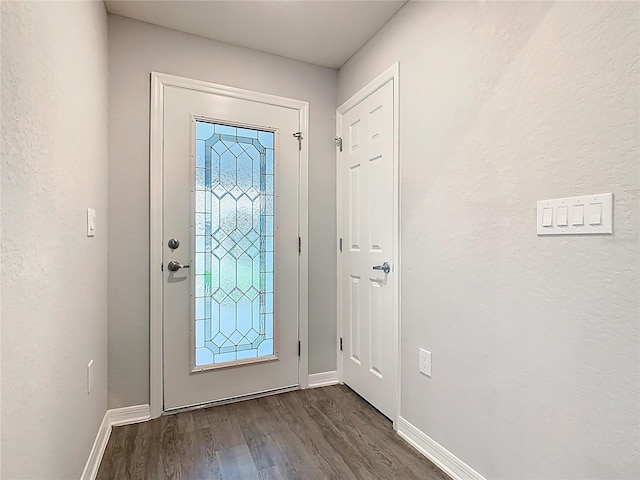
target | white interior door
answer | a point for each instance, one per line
(230, 218)
(366, 224)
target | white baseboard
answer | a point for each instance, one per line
(447, 461)
(129, 415)
(323, 379)
(112, 418)
(97, 451)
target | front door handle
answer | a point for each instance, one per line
(384, 267)
(174, 266)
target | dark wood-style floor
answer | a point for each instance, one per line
(322, 433)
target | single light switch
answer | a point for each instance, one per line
(91, 222)
(577, 215)
(563, 214)
(547, 217)
(595, 213)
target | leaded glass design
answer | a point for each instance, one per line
(234, 215)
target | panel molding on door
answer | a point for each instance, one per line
(160, 83)
(369, 230)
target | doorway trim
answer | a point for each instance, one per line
(156, 131)
(390, 74)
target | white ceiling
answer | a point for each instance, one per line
(323, 32)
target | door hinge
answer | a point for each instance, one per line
(299, 246)
(340, 343)
(299, 347)
(340, 244)
(162, 267)
(299, 136)
(339, 143)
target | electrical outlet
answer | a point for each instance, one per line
(90, 376)
(425, 362)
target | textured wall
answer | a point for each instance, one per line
(135, 50)
(54, 278)
(534, 339)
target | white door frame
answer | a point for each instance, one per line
(391, 74)
(158, 82)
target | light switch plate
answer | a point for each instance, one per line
(589, 214)
(91, 222)
(90, 376)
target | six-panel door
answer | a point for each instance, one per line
(367, 228)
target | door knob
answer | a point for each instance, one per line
(174, 266)
(384, 267)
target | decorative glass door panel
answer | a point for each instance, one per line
(234, 245)
(230, 229)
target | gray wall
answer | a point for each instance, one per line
(534, 339)
(135, 50)
(54, 278)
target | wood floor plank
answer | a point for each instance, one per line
(359, 435)
(186, 423)
(236, 463)
(324, 433)
(304, 460)
(409, 459)
(135, 464)
(316, 454)
(223, 423)
(347, 440)
(279, 472)
(257, 424)
(361, 423)
(170, 448)
(199, 460)
(153, 460)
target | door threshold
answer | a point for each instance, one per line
(226, 401)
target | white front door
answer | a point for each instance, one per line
(366, 264)
(229, 246)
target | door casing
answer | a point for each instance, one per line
(391, 74)
(158, 82)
